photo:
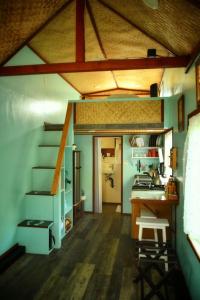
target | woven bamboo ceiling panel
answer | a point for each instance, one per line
(138, 79)
(114, 29)
(91, 81)
(21, 19)
(175, 24)
(135, 112)
(119, 38)
(56, 42)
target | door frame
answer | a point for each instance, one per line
(93, 171)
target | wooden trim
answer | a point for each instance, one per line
(92, 66)
(162, 110)
(98, 94)
(169, 129)
(112, 136)
(135, 25)
(46, 61)
(194, 57)
(111, 132)
(25, 42)
(55, 183)
(115, 89)
(80, 31)
(193, 113)
(193, 248)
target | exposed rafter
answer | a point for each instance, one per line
(116, 89)
(135, 26)
(80, 31)
(36, 32)
(108, 65)
(98, 35)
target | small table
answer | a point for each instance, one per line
(162, 209)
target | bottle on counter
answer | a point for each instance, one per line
(171, 188)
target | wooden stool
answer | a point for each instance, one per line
(155, 224)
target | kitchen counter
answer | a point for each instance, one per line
(161, 206)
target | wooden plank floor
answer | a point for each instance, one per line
(96, 261)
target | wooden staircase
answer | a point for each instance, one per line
(43, 202)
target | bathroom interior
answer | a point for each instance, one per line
(111, 173)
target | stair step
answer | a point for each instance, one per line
(53, 127)
(35, 223)
(43, 167)
(42, 193)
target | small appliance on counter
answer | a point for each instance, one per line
(145, 182)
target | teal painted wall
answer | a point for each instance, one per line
(175, 81)
(84, 144)
(25, 103)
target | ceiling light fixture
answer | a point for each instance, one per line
(151, 3)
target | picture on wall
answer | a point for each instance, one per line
(181, 113)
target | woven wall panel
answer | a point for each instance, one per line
(119, 112)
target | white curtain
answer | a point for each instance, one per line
(192, 180)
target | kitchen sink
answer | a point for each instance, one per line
(148, 194)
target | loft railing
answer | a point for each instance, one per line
(55, 183)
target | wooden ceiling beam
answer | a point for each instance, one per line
(80, 31)
(115, 89)
(95, 66)
(98, 35)
(136, 26)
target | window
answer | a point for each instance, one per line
(191, 188)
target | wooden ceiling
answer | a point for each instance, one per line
(100, 46)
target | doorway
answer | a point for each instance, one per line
(107, 174)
